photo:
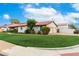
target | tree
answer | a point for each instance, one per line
(15, 21)
(31, 23)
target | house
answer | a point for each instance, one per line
(1, 29)
(65, 28)
(54, 27)
(4, 28)
(49, 24)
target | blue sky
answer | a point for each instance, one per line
(60, 12)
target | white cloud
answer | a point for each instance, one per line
(68, 18)
(37, 4)
(45, 14)
(6, 16)
(41, 11)
(74, 15)
(24, 6)
(71, 17)
(76, 6)
(59, 18)
(41, 14)
(29, 6)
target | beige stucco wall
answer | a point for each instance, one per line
(4, 29)
(65, 29)
(37, 28)
(22, 30)
(1, 30)
(53, 28)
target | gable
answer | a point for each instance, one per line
(51, 25)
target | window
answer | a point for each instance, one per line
(21, 28)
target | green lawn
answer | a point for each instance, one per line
(47, 41)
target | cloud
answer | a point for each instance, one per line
(37, 4)
(41, 11)
(68, 18)
(45, 14)
(74, 15)
(76, 6)
(41, 14)
(71, 17)
(59, 18)
(29, 6)
(24, 6)
(6, 16)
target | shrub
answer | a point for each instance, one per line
(45, 30)
(39, 32)
(32, 31)
(13, 31)
(76, 32)
(27, 31)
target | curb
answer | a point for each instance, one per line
(3, 53)
(61, 48)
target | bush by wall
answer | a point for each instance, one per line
(45, 30)
(13, 31)
(28, 31)
(39, 32)
(76, 32)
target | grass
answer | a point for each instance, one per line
(46, 41)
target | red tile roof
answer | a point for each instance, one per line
(16, 25)
(37, 24)
(22, 24)
(43, 23)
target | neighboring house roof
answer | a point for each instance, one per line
(4, 26)
(23, 24)
(62, 24)
(16, 25)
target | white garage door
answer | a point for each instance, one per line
(66, 30)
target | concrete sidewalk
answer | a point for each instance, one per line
(5, 45)
(14, 50)
(64, 34)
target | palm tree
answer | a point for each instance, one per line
(15, 21)
(31, 23)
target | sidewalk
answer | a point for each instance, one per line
(5, 45)
(14, 50)
(65, 34)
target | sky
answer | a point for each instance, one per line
(59, 12)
